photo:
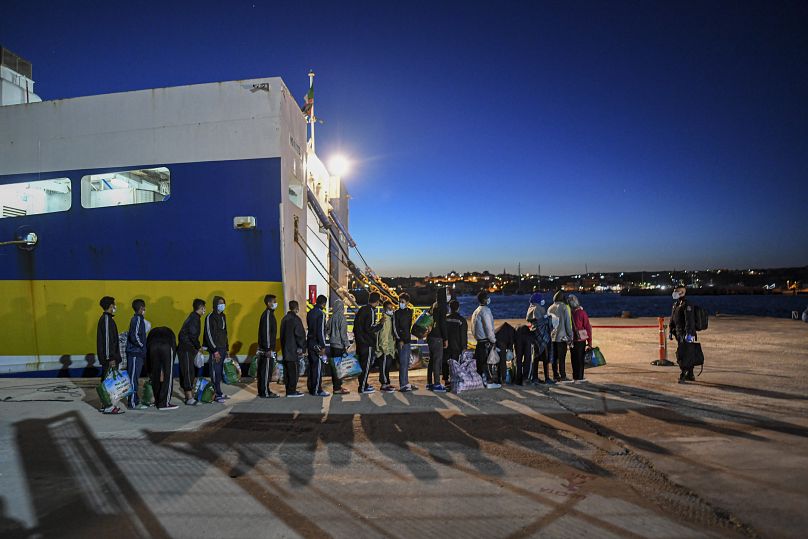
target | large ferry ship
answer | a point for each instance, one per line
(164, 194)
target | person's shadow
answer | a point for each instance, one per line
(64, 372)
(11, 528)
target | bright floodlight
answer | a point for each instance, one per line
(339, 165)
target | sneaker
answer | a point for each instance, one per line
(341, 391)
(368, 390)
(168, 407)
(322, 393)
(429, 387)
(141, 407)
(690, 377)
(190, 402)
(113, 410)
(550, 382)
(493, 386)
(388, 389)
(583, 380)
(272, 395)
(437, 388)
(294, 395)
(225, 396)
(413, 387)
(405, 388)
(682, 381)
(220, 400)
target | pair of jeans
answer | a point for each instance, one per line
(404, 355)
(217, 371)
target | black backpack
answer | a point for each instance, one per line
(700, 317)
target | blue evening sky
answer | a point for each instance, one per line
(622, 135)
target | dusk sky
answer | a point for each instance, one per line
(622, 135)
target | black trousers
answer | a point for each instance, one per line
(314, 382)
(290, 376)
(522, 362)
(577, 360)
(481, 356)
(560, 353)
(540, 355)
(162, 363)
(385, 361)
(187, 369)
(365, 353)
(335, 380)
(266, 364)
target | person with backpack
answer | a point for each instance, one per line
(136, 351)
(402, 325)
(482, 325)
(683, 328)
(581, 338)
(338, 342)
(188, 349)
(267, 330)
(561, 335)
(365, 329)
(457, 333)
(437, 342)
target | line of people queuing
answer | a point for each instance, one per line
(379, 340)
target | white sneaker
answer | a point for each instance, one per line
(493, 386)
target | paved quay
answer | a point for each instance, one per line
(631, 453)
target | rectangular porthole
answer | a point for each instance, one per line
(33, 198)
(125, 187)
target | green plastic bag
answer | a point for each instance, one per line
(232, 372)
(148, 394)
(207, 393)
(102, 394)
(253, 372)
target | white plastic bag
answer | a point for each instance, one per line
(199, 360)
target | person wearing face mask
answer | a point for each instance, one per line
(482, 325)
(402, 324)
(315, 341)
(365, 329)
(136, 351)
(683, 327)
(386, 347)
(217, 344)
(107, 345)
(267, 331)
(189, 347)
(437, 341)
(338, 341)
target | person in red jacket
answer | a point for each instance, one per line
(582, 338)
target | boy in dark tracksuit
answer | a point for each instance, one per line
(161, 349)
(267, 331)
(217, 344)
(108, 347)
(293, 342)
(365, 329)
(315, 344)
(506, 340)
(189, 347)
(457, 333)
(437, 342)
(136, 351)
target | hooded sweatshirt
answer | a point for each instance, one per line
(216, 329)
(338, 326)
(439, 313)
(563, 332)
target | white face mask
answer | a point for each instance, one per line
(675, 294)
(203, 312)
(273, 306)
(488, 301)
(388, 313)
(402, 305)
(220, 307)
(114, 309)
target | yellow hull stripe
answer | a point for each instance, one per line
(54, 317)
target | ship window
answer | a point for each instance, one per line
(32, 198)
(125, 187)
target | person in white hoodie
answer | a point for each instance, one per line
(482, 323)
(562, 335)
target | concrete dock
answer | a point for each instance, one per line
(631, 453)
